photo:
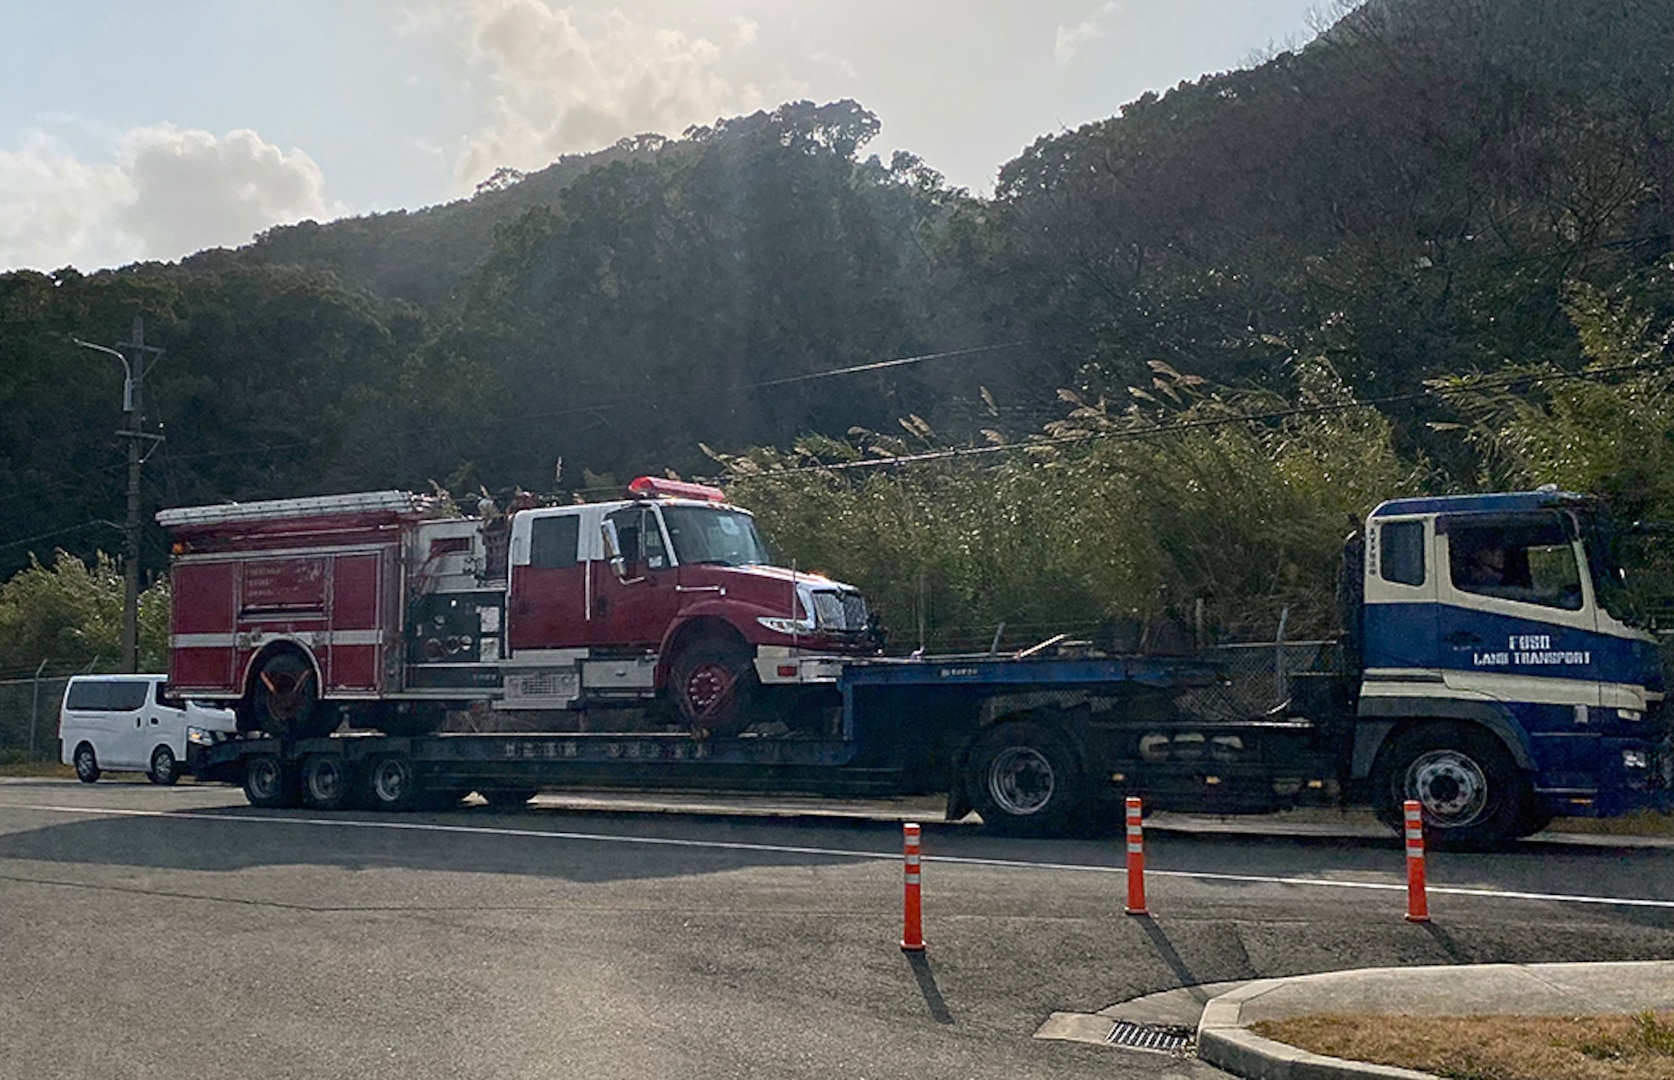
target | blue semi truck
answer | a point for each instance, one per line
(1494, 663)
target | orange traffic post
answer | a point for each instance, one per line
(1418, 902)
(1136, 858)
(912, 915)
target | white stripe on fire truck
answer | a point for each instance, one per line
(230, 641)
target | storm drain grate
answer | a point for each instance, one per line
(1163, 1038)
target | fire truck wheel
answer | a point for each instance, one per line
(327, 782)
(713, 685)
(1024, 780)
(267, 784)
(1469, 788)
(392, 783)
(87, 764)
(164, 769)
(287, 699)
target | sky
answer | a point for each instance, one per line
(152, 130)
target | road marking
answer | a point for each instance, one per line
(875, 856)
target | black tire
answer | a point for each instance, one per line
(86, 763)
(446, 799)
(165, 770)
(1534, 818)
(328, 783)
(267, 783)
(713, 685)
(286, 699)
(1025, 780)
(509, 798)
(1471, 791)
(392, 784)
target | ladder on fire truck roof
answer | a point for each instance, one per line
(397, 502)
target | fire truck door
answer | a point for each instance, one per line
(547, 608)
(634, 604)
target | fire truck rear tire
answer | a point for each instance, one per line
(713, 685)
(267, 783)
(286, 696)
(1025, 780)
(392, 784)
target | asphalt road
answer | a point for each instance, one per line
(150, 932)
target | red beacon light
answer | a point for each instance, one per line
(656, 488)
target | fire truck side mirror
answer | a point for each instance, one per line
(613, 550)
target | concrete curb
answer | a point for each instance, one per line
(1224, 1042)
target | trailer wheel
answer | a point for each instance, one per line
(713, 685)
(266, 782)
(392, 783)
(1024, 780)
(509, 798)
(1469, 788)
(287, 699)
(164, 769)
(327, 782)
(87, 764)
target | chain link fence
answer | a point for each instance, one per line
(29, 718)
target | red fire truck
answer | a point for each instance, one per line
(394, 611)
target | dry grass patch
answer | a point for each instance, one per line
(1637, 1047)
(37, 768)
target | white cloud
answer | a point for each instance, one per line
(571, 81)
(1072, 38)
(745, 31)
(167, 193)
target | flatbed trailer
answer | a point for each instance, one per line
(1034, 744)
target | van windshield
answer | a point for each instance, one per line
(720, 537)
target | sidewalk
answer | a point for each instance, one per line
(1227, 1009)
(1471, 990)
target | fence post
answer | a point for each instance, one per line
(35, 707)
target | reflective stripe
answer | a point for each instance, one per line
(912, 860)
(912, 879)
(1135, 849)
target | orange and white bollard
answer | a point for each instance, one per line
(912, 928)
(1136, 858)
(1418, 902)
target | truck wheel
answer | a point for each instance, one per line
(164, 769)
(392, 783)
(287, 699)
(1024, 780)
(1470, 789)
(713, 685)
(327, 782)
(87, 764)
(509, 798)
(266, 783)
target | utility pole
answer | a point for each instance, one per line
(133, 403)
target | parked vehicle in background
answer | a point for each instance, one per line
(130, 722)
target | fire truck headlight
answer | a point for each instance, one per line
(791, 627)
(1636, 760)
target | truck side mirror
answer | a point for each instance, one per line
(619, 559)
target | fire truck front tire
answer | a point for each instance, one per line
(1465, 781)
(328, 783)
(713, 684)
(286, 697)
(1024, 780)
(392, 784)
(267, 783)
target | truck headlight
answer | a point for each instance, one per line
(791, 627)
(1635, 759)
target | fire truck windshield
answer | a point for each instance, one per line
(704, 535)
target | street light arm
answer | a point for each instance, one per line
(126, 370)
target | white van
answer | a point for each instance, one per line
(128, 722)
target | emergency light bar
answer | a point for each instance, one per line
(400, 502)
(655, 488)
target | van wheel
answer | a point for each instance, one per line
(87, 765)
(287, 699)
(267, 783)
(1024, 780)
(164, 769)
(392, 783)
(327, 782)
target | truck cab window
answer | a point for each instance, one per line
(1403, 553)
(553, 541)
(1532, 563)
(640, 538)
